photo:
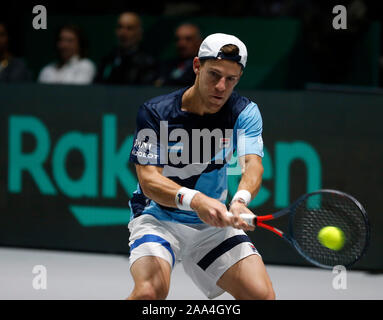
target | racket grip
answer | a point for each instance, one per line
(247, 217)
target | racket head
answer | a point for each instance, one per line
(322, 208)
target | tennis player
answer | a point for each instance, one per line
(178, 211)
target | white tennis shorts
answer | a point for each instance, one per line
(206, 252)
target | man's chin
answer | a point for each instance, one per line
(214, 107)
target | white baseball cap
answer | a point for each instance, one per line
(211, 48)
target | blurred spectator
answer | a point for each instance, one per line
(72, 66)
(12, 69)
(179, 71)
(128, 63)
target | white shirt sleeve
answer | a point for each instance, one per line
(84, 72)
(249, 131)
(78, 71)
(46, 74)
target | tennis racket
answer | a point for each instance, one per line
(314, 211)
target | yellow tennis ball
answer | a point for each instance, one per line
(332, 237)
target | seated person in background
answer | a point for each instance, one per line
(12, 69)
(72, 66)
(127, 64)
(179, 71)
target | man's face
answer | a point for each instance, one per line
(68, 45)
(187, 41)
(3, 39)
(128, 30)
(216, 80)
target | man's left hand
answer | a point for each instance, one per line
(236, 208)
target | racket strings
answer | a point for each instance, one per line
(329, 209)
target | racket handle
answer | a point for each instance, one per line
(249, 218)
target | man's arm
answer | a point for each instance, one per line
(163, 190)
(156, 186)
(252, 171)
(251, 180)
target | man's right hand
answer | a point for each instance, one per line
(210, 211)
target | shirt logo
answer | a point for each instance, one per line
(224, 142)
(142, 145)
(252, 247)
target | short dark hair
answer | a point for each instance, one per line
(229, 50)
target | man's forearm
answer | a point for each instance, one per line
(251, 179)
(160, 189)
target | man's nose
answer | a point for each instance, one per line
(221, 85)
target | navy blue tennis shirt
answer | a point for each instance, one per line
(193, 150)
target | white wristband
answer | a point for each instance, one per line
(184, 197)
(243, 195)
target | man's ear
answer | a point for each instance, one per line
(196, 65)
